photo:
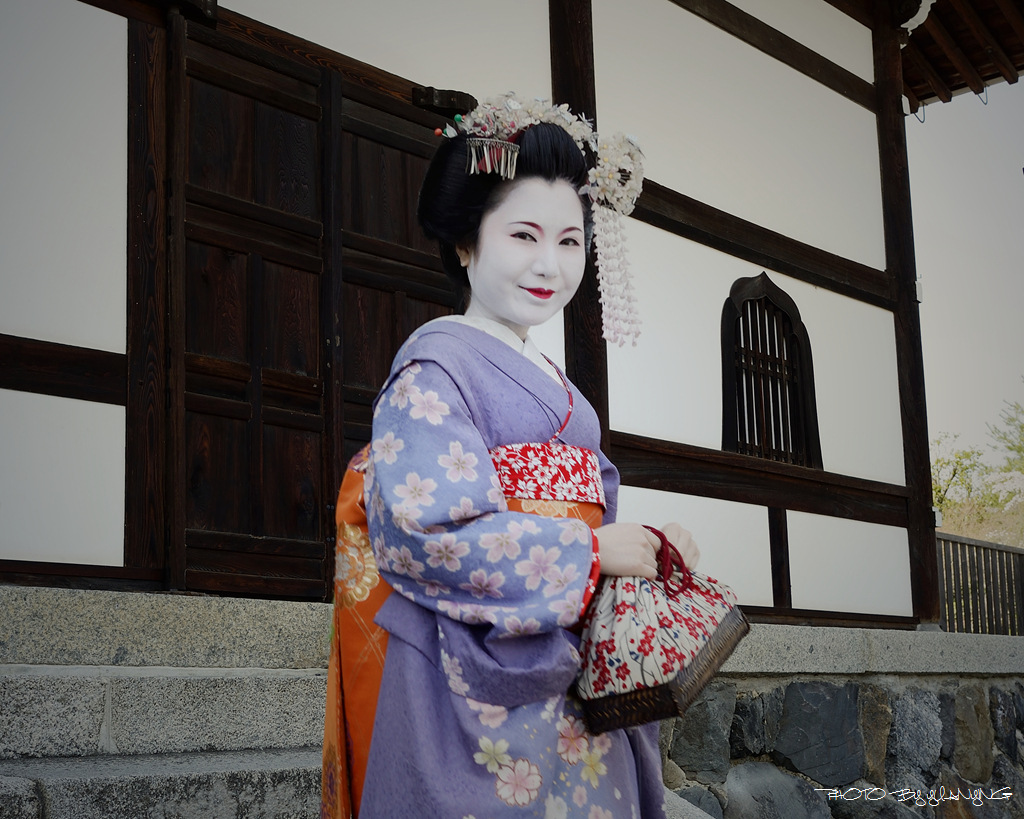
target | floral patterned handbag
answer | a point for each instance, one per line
(650, 646)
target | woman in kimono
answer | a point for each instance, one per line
(490, 514)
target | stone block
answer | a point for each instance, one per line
(18, 799)
(915, 741)
(895, 651)
(703, 799)
(746, 735)
(44, 715)
(947, 713)
(178, 714)
(666, 731)
(968, 800)
(758, 790)
(819, 734)
(672, 775)
(755, 724)
(1003, 713)
(269, 785)
(678, 808)
(782, 649)
(875, 717)
(972, 754)
(1008, 778)
(1018, 704)
(43, 626)
(701, 740)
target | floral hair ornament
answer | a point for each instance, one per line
(615, 181)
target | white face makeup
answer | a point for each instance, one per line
(529, 256)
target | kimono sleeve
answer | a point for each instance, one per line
(441, 530)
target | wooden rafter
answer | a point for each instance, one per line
(984, 35)
(1014, 16)
(915, 103)
(956, 55)
(967, 45)
(935, 82)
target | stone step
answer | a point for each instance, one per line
(278, 784)
(40, 626)
(62, 711)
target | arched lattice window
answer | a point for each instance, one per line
(768, 406)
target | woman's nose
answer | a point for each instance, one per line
(546, 261)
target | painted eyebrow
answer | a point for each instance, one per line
(535, 226)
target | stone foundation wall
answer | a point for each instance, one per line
(815, 743)
(124, 693)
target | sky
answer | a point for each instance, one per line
(967, 189)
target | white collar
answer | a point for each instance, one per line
(507, 335)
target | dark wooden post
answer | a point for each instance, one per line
(572, 81)
(902, 269)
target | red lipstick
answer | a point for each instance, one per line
(540, 292)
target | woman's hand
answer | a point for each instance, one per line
(684, 543)
(628, 550)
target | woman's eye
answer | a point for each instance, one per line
(529, 237)
(569, 240)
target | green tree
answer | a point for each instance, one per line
(977, 500)
(961, 489)
(1009, 437)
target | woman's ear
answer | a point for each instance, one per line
(464, 252)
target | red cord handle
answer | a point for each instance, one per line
(671, 563)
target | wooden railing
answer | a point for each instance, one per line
(981, 586)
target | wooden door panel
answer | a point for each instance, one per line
(249, 282)
(218, 465)
(287, 171)
(217, 313)
(369, 318)
(381, 186)
(419, 311)
(220, 148)
(291, 321)
(297, 270)
(292, 501)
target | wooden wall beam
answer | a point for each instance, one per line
(571, 30)
(680, 214)
(146, 417)
(146, 12)
(898, 225)
(47, 368)
(782, 47)
(711, 473)
(79, 576)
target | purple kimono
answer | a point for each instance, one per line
(474, 719)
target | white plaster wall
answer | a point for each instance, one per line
(63, 212)
(483, 49)
(846, 565)
(62, 481)
(670, 385)
(63, 172)
(730, 126)
(732, 537)
(856, 382)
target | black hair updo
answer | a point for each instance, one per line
(453, 203)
